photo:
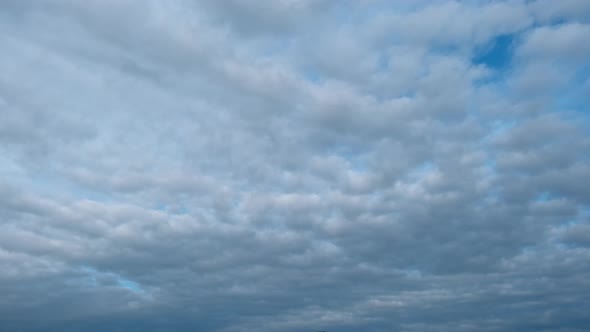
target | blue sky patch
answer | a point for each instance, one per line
(497, 54)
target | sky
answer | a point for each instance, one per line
(294, 165)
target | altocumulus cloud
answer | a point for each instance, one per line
(294, 165)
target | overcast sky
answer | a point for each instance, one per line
(294, 165)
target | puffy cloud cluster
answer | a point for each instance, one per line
(294, 165)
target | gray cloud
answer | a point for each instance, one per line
(292, 166)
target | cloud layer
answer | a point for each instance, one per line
(294, 165)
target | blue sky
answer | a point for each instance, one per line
(294, 165)
(497, 54)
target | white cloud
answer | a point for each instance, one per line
(563, 43)
(282, 165)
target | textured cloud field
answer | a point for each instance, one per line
(294, 165)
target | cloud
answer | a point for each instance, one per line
(563, 42)
(293, 165)
(571, 10)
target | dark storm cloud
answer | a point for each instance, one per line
(294, 166)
